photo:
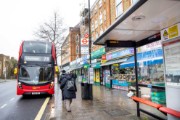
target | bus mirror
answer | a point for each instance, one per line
(15, 71)
(56, 69)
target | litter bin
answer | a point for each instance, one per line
(86, 91)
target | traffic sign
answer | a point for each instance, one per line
(84, 41)
(86, 35)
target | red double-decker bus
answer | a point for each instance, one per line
(36, 68)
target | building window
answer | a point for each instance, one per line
(95, 9)
(92, 38)
(100, 3)
(96, 24)
(77, 49)
(97, 35)
(104, 15)
(100, 18)
(77, 38)
(92, 27)
(119, 8)
(101, 31)
(134, 1)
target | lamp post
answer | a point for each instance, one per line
(89, 19)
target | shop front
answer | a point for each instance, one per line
(111, 70)
(96, 58)
(97, 71)
(141, 25)
(150, 72)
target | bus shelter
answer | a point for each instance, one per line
(141, 24)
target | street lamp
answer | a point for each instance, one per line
(89, 19)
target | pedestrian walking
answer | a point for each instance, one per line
(73, 75)
(61, 78)
(69, 89)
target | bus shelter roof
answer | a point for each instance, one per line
(142, 20)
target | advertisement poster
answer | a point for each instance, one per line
(172, 63)
(91, 75)
(97, 76)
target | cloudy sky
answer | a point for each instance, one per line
(21, 18)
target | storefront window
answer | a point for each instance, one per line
(151, 74)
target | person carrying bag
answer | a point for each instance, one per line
(69, 89)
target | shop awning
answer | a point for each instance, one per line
(114, 61)
(142, 20)
(96, 65)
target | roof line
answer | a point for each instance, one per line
(121, 19)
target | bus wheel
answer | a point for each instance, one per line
(50, 95)
(24, 96)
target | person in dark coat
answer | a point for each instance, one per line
(73, 75)
(62, 77)
(68, 95)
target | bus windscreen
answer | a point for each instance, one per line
(35, 74)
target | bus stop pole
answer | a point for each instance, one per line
(89, 17)
(136, 75)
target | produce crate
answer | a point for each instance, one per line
(108, 85)
(158, 94)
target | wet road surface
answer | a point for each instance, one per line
(13, 107)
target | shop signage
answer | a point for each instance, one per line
(116, 65)
(96, 65)
(118, 54)
(86, 66)
(171, 32)
(98, 53)
(103, 57)
(103, 61)
(151, 46)
(94, 61)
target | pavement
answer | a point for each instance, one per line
(4, 80)
(107, 104)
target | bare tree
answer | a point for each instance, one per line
(53, 31)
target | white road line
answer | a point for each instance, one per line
(12, 99)
(41, 111)
(3, 106)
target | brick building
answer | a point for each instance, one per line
(4, 65)
(71, 46)
(103, 14)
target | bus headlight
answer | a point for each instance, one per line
(51, 85)
(20, 85)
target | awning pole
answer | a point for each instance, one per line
(136, 74)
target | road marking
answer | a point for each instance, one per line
(41, 111)
(11, 99)
(3, 106)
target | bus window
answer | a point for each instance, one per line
(37, 47)
(24, 73)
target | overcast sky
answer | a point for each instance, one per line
(19, 19)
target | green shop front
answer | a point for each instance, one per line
(96, 64)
